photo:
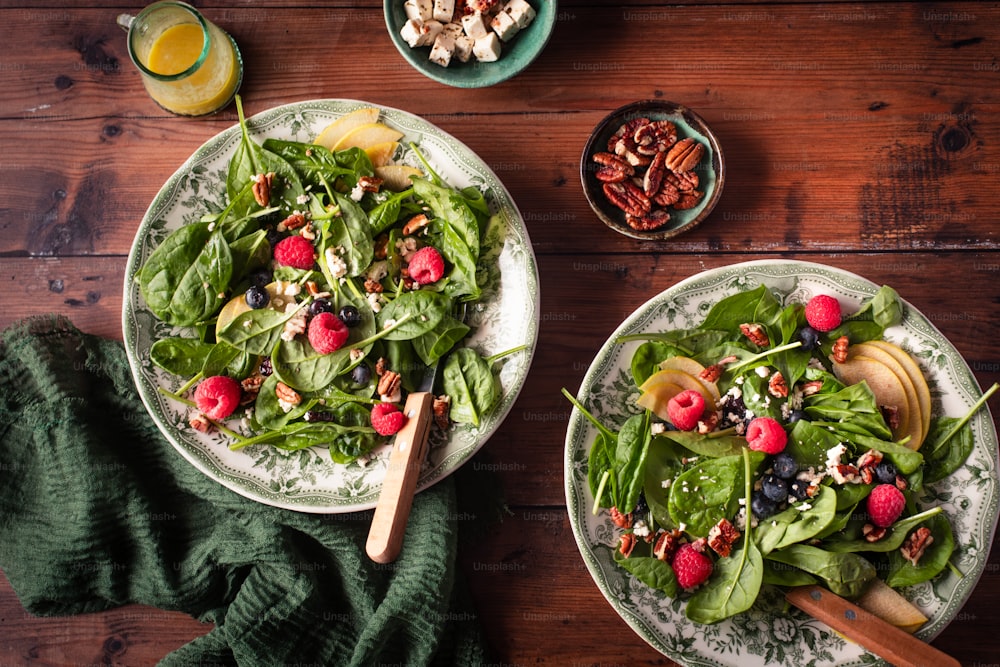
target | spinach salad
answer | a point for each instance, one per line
(244, 315)
(760, 518)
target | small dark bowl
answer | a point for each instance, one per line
(711, 169)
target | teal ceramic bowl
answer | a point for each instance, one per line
(711, 169)
(515, 55)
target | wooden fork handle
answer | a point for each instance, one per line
(385, 537)
(885, 640)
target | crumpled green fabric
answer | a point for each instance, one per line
(98, 510)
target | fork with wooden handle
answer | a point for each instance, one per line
(885, 640)
(385, 537)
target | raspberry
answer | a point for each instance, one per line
(685, 409)
(296, 252)
(823, 313)
(766, 435)
(426, 266)
(387, 419)
(327, 333)
(217, 396)
(691, 567)
(885, 504)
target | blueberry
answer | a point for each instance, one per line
(809, 338)
(785, 466)
(361, 374)
(774, 488)
(257, 297)
(799, 489)
(761, 506)
(350, 316)
(796, 415)
(260, 277)
(320, 306)
(273, 237)
(265, 367)
(886, 473)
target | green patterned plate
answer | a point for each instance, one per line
(308, 480)
(769, 634)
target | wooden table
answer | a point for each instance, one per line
(859, 135)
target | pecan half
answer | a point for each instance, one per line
(614, 169)
(652, 220)
(370, 183)
(685, 155)
(722, 536)
(286, 394)
(628, 197)
(777, 386)
(840, 349)
(810, 388)
(261, 188)
(891, 415)
(200, 422)
(916, 544)
(621, 520)
(873, 533)
(653, 178)
(626, 544)
(441, 408)
(756, 334)
(251, 387)
(655, 137)
(389, 383)
(708, 422)
(687, 200)
(666, 544)
(294, 221)
(415, 224)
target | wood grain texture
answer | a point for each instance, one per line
(862, 135)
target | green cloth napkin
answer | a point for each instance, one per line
(98, 510)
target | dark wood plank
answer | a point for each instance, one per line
(898, 135)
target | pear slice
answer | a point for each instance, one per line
(883, 601)
(396, 177)
(916, 411)
(888, 390)
(694, 369)
(336, 130)
(366, 136)
(655, 400)
(238, 305)
(381, 153)
(916, 375)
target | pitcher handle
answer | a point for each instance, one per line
(126, 21)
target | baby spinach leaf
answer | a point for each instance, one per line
(227, 360)
(757, 305)
(301, 367)
(800, 522)
(184, 281)
(256, 331)
(846, 574)
(737, 578)
(884, 308)
(268, 412)
(709, 491)
(714, 444)
(599, 467)
(892, 540)
(249, 253)
(422, 311)
(385, 214)
(779, 574)
(647, 357)
(935, 558)
(437, 342)
(664, 462)
(631, 450)
(350, 234)
(855, 404)
(180, 356)
(653, 572)
(450, 210)
(468, 379)
(251, 160)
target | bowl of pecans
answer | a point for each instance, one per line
(652, 170)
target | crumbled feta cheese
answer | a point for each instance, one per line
(640, 529)
(665, 484)
(804, 507)
(302, 199)
(336, 263)
(285, 405)
(378, 270)
(657, 428)
(375, 301)
(357, 192)
(389, 323)
(762, 371)
(356, 354)
(834, 454)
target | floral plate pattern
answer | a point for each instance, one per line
(307, 480)
(769, 634)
